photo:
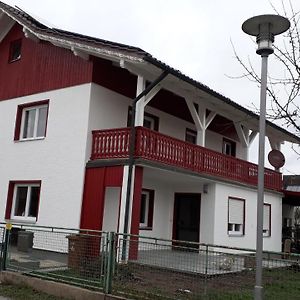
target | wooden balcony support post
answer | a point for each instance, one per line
(200, 119)
(132, 150)
(140, 105)
(245, 137)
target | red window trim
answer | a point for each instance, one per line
(244, 214)
(10, 195)
(19, 114)
(150, 210)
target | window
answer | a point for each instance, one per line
(229, 147)
(267, 220)
(191, 136)
(146, 209)
(15, 50)
(31, 121)
(236, 216)
(150, 121)
(23, 201)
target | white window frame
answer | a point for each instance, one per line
(150, 120)
(267, 231)
(146, 213)
(236, 229)
(25, 218)
(36, 120)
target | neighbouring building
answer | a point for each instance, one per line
(66, 103)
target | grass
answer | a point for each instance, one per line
(19, 292)
(152, 283)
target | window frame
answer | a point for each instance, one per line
(267, 233)
(148, 223)
(191, 133)
(12, 200)
(232, 145)
(20, 120)
(153, 119)
(234, 232)
(12, 47)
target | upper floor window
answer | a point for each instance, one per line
(150, 121)
(23, 200)
(236, 216)
(15, 50)
(191, 136)
(31, 120)
(229, 147)
(267, 220)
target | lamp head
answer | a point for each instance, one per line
(265, 27)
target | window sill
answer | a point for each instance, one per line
(31, 139)
(145, 228)
(14, 60)
(22, 221)
(237, 234)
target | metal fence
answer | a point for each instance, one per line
(146, 268)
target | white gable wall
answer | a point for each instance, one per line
(58, 160)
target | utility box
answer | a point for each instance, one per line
(82, 248)
(25, 241)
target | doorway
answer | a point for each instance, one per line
(186, 222)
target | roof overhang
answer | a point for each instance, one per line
(142, 63)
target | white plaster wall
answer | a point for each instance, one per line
(164, 205)
(58, 160)
(221, 237)
(106, 103)
(111, 209)
(207, 216)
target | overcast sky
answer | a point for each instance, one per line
(194, 36)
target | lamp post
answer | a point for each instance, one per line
(264, 27)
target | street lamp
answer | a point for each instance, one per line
(264, 27)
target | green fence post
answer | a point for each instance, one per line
(5, 246)
(109, 264)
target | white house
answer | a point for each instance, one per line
(65, 108)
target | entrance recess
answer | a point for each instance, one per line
(186, 224)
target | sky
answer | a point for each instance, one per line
(193, 36)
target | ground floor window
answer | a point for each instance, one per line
(236, 216)
(267, 220)
(23, 201)
(146, 209)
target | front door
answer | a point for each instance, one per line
(186, 224)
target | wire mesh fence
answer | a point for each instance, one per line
(66, 255)
(161, 269)
(142, 267)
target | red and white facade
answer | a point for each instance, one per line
(65, 106)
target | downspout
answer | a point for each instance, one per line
(131, 155)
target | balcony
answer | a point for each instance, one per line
(160, 148)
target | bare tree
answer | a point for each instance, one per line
(284, 91)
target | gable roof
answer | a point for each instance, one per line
(118, 51)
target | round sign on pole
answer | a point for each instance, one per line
(276, 159)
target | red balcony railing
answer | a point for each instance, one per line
(154, 146)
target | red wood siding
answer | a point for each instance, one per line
(136, 204)
(42, 67)
(96, 180)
